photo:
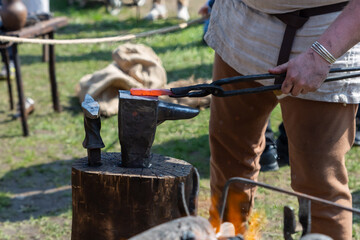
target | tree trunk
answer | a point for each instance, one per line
(112, 202)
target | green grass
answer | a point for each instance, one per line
(43, 160)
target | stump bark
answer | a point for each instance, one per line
(112, 202)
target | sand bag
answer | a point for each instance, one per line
(134, 66)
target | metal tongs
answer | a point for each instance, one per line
(214, 88)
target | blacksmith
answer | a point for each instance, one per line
(247, 36)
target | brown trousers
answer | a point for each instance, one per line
(319, 135)
(180, 2)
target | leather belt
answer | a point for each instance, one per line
(294, 21)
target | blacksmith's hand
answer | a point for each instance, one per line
(304, 73)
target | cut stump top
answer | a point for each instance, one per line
(161, 167)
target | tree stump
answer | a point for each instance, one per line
(112, 202)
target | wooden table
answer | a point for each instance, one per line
(44, 29)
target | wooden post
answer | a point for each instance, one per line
(112, 202)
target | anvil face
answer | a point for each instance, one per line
(137, 120)
(138, 117)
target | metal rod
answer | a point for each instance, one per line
(248, 78)
(251, 90)
(332, 79)
(245, 78)
(215, 88)
(184, 210)
(350, 69)
(278, 86)
(194, 193)
(300, 195)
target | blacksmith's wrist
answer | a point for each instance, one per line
(323, 52)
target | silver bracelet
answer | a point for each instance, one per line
(323, 52)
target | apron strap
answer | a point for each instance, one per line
(294, 21)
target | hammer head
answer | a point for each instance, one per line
(138, 118)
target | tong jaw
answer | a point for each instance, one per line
(200, 90)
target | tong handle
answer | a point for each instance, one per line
(250, 90)
(246, 78)
(278, 86)
(202, 90)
